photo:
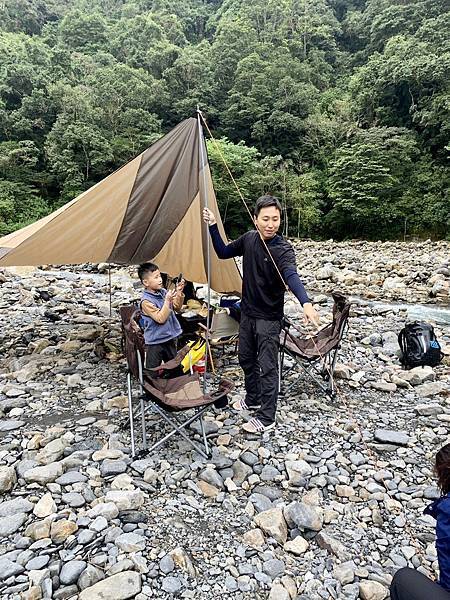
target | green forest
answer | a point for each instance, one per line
(339, 107)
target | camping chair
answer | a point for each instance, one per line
(165, 396)
(317, 355)
(224, 330)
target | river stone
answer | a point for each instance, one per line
(10, 425)
(272, 493)
(112, 467)
(117, 587)
(73, 499)
(85, 536)
(254, 538)
(372, 590)
(133, 516)
(297, 470)
(303, 516)
(279, 592)
(332, 545)
(71, 571)
(98, 524)
(297, 546)
(428, 410)
(212, 477)
(260, 502)
(171, 585)
(12, 507)
(431, 388)
(418, 375)
(7, 478)
(39, 562)
(126, 499)
(10, 524)
(272, 522)
(273, 567)
(166, 564)
(345, 572)
(44, 475)
(60, 530)
(45, 507)
(38, 530)
(108, 510)
(130, 542)
(52, 452)
(207, 489)
(387, 436)
(90, 576)
(70, 478)
(384, 386)
(9, 568)
(240, 472)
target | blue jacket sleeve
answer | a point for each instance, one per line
(225, 250)
(295, 285)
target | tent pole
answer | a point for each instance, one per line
(202, 158)
(110, 291)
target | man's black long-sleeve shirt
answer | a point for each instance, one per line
(262, 288)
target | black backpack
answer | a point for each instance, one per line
(419, 345)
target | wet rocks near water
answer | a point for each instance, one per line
(316, 509)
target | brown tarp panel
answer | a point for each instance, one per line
(165, 186)
(150, 209)
(82, 231)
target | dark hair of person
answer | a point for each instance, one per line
(442, 469)
(266, 201)
(145, 268)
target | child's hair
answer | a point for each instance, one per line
(442, 468)
(145, 268)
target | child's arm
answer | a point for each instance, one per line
(178, 299)
(159, 315)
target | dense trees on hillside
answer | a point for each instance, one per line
(340, 107)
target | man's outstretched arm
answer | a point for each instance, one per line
(296, 286)
(222, 250)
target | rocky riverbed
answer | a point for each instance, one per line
(329, 505)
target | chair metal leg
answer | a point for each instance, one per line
(179, 429)
(279, 373)
(143, 425)
(131, 416)
(205, 441)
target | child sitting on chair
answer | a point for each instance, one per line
(160, 325)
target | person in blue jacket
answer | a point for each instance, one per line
(409, 584)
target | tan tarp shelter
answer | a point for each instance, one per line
(149, 209)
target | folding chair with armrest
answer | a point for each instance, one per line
(166, 396)
(317, 355)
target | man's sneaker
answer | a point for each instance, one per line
(256, 426)
(241, 405)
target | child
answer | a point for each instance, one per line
(409, 584)
(161, 327)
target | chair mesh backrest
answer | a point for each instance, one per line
(222, 325)
(328, 338)
(133, 338)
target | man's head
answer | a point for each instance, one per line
(150, 276)
(267, 216)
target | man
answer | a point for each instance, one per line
(262, 305)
